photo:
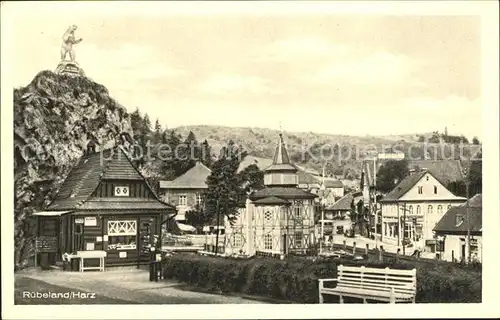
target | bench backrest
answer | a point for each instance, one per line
(385, 279)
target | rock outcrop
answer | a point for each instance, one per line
(55, 116)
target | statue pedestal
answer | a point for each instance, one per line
(70, 68)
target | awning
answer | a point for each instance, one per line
(186, 227)
(50, 213)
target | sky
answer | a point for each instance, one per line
(323, 72)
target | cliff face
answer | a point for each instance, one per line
(55, 116)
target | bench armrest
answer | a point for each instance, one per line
(328, 280)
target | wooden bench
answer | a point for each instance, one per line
(94, 254)
(388, 285)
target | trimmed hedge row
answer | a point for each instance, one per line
(296, 280)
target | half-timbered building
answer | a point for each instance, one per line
(278, 219)
(105, 205)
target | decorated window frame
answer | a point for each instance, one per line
(122, 234)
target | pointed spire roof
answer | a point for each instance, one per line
(281, 160)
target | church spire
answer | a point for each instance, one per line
(282, 172)
(281, 154)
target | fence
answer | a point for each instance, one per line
(382, 255)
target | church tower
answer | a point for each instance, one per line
(278, 219)
(281, 173)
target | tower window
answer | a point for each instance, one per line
(297, 212)
(268, 215)
(268, 242)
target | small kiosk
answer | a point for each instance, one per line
(105, 214)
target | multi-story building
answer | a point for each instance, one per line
(187, 190)
(412, 209)
(278, 219)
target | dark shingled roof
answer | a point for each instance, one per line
(448, 223)
(404, 186)
(306, 178)
(444, 170)
(194, 178)
(281, 160)
(271, 200)
(343, 204)
(91, 169)
(331, 183)
(282, 192)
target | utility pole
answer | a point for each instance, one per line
(404, 228)
(466, 176)
(375, 197)
(217, 233)
(322, 228)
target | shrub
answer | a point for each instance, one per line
(296, 279)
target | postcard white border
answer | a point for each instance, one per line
(488, 10)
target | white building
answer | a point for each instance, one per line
(452, 231)
(412, 209)
(276, 220)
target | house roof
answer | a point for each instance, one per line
(444, 170)
(308, 170)
(271, 200)
(404, 186)
(343, 204)
(194, 178)
(282, 192)
(448, 222)
(281, 160)
(87, 174)
(306, 178)
(333, 183)
(261, 163)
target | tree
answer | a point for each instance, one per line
(475, 176)
(390, 174)
(223, 186)
(458, 188)
(475, 141)
(158, 132)
(197, 217)
(251, 178)
(206, 154)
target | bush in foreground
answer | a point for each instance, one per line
(297, 280)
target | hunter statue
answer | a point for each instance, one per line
(68, 41)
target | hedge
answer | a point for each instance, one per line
(296, 280)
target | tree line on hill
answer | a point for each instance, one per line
(227, 187)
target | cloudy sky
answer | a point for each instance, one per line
(323, 72)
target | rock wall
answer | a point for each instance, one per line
(55, 116)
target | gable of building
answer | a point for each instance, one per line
(427, 187)
(90, 181)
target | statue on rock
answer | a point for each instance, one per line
(69, 67)
(68, 41)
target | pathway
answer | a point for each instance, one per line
(129, 284)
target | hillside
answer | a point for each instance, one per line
(343, 153)
(54, 118)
